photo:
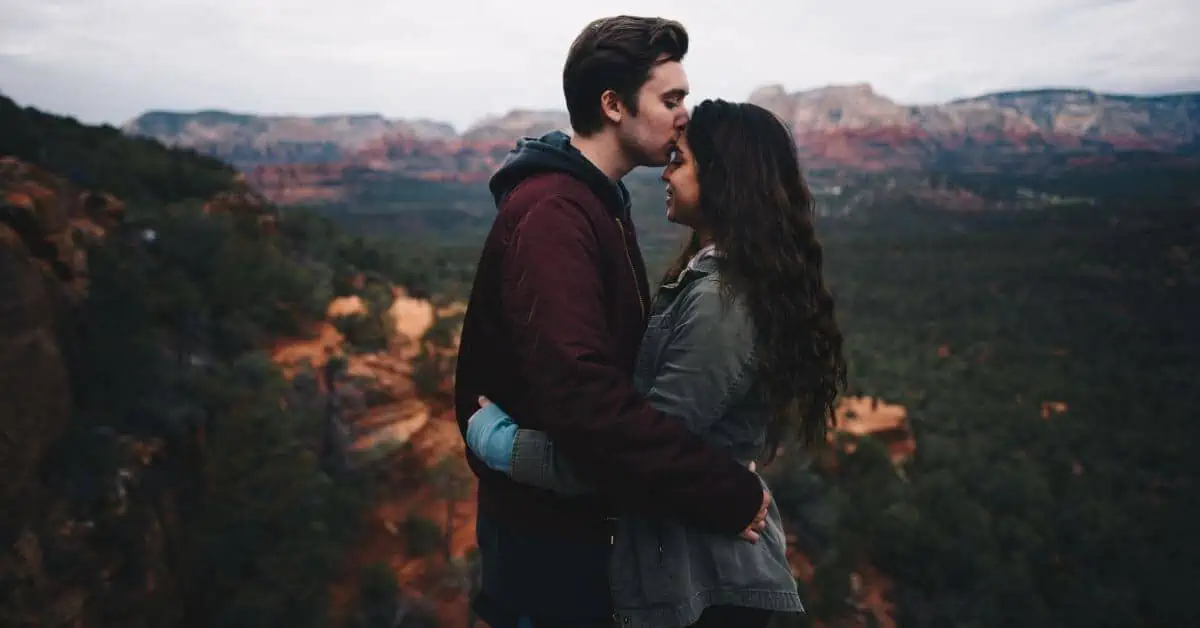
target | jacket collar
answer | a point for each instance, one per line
(703, 263)
(704, 260)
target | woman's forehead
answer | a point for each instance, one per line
(682, 144)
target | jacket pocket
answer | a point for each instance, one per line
(760, 566)
(641, 566)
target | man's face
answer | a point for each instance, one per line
(649, 136)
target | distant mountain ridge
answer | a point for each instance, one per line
(853, 126)
(248, 140)
(839, 127)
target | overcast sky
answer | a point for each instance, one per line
(458, 60)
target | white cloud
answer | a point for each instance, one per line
(457, 60)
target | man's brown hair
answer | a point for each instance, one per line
(616, 53)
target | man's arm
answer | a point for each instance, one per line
(554, 303)
(704, 369)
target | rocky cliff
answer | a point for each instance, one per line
(45, 225)
(503, 129)
(854, 126)
(391, 418)
(153, 461)
(248, 140)
(844, 127)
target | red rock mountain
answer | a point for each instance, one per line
(854, 126)
(249, 140)
(842, 127)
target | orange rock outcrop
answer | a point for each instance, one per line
(888, 423)
(405, 436)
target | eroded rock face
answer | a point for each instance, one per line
(886, 422)
(505, 128)
(42, 275)
(245, 202)
(848, 127)
(43, 224)
(374, 397)
(243, 139)
(853, 126)
(33, 377)
(51, 219)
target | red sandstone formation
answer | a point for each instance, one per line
(845, 128)
(888, 423)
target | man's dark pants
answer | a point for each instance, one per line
(556, 583)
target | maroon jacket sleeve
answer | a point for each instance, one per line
(643, 458)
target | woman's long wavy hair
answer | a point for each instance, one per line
(756, 205)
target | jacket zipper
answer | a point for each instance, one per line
(632, 270)
(641, 304)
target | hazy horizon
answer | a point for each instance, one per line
(459, 62)
(462, 127)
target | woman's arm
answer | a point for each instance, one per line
(535, 462)
(527, 456)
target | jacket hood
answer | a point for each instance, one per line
(553, 152)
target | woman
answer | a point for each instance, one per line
(742, 343)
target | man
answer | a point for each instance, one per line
(552, 330)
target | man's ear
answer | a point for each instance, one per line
(611, 105)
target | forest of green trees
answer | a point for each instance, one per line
(1005, 517)
(1002, 518)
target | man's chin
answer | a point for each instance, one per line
(655, 160)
